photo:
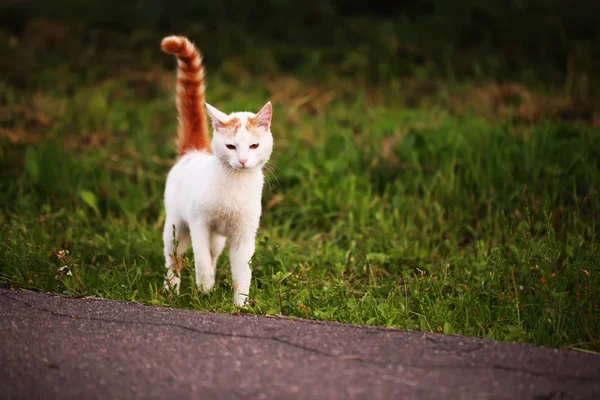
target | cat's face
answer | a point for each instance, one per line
(242, 140)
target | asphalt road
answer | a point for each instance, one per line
(53, 347)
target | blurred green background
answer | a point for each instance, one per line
(544, 42)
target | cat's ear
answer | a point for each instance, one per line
(217, 117)
(263, 117)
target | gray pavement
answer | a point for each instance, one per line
(53, 347)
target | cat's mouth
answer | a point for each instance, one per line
(240, 168)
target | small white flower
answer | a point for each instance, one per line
(63, 271)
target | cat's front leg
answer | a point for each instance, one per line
(242, 249)
(205, 273)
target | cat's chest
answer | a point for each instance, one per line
(232, 210)
(225, 221)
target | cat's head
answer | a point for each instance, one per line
(242, 140)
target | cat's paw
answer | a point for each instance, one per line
(205, 283)
(240, 300)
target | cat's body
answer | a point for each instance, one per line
(212, 197)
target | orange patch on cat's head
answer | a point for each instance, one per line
(253, 125)
(230, 126)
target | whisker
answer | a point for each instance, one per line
(268, 167)
(268, 183)
(267, 173)
(272, 164)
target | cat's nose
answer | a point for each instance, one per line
(243, 162)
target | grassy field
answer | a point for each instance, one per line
(424, 214)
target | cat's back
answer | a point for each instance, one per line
(190, 164)
(190, 173)
(190, 178)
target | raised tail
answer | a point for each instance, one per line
(192, 130)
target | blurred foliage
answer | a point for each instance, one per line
(555, 41)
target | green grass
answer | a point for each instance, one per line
(376, 213)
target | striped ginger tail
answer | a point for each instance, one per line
(192, 130)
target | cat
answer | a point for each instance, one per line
(214, 190)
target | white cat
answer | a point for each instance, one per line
(211, 197)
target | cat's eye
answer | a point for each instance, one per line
(230, 146)
(254, 146)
